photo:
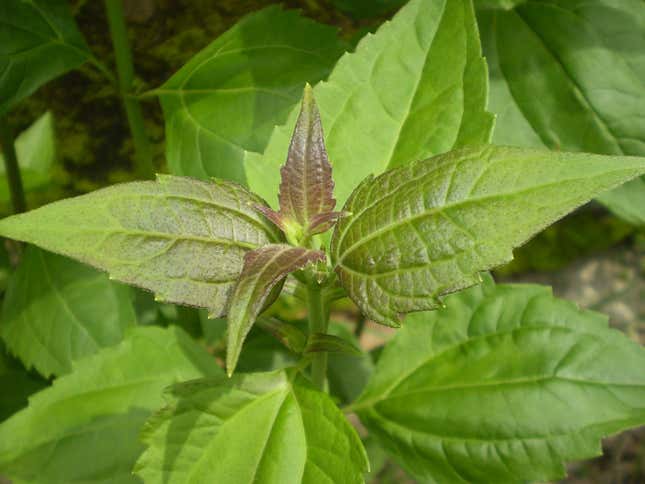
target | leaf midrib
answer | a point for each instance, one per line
(253, 402)
(417, 82)
(522, 327)
(41, 407)
(438, 209)
(601, 121)
(67, 308)
(581, 429)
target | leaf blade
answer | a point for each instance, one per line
(376, 116)
(70, 310)
(135, 231)
(40, 42)
(227, 98)
(329, 343)
(306, 188)
(530, 381)
(263, 269)
(427, 229)
(260, 426)
(99, 406)
(587, 103)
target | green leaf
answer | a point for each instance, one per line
(427, 229)
(263, 269)
(56, 311)
(306, 187)
(329, 343)
(229, 96)
(182, 238)
(36, 152)
(290, 336)
(260, 427)
(503, 385)
(38, 42)
(414, 89)
(582, 62)
(84, 427)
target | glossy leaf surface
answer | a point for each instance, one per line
(57, 310)
(98, 410)
(228, 97)
(263, 269)
(505, 384)
(583, 62)
(260, 427)
(427, 229)
(39, 41)
(36, 152)
(414, 89)
(182, 238)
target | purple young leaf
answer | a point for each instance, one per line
(306, 189)
(263, 269)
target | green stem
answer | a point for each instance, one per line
(11, 167)
(125, 71)
(318, 321)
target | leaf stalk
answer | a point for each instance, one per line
(318, 322)
(125, 71)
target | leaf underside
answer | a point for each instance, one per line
(416, 88)
(39, 41)
(427, 229)
(263, 269)
(84, 428)
(592, 102)
(57, 310)
(259, 427)
(230, 95)
(182, 238)
(505, 384)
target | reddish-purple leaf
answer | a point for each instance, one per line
(306, 189)
(324, 221)
(263, 269)
(275, 217)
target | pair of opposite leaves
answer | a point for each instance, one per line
(404, 238)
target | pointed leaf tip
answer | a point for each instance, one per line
(428, 229)
(264, 269)
(153, 247)
(306, 189)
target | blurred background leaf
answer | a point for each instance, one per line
(36, 152)
(57, 310)
(39, 41)
(229, 96)
(569, 75)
